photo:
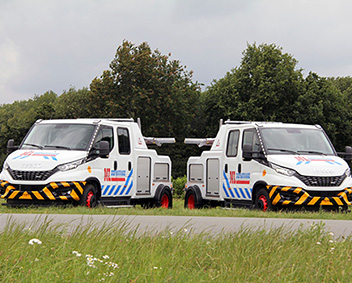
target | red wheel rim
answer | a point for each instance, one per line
(89, 199)
(164, 201)
(191, 202)
(263, 200)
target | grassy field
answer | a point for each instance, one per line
(179, 210)
(112, 254)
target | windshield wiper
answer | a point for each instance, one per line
(34, 145)
(313, 152)
(57, 146)
(284, 150)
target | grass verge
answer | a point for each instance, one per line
(180, 211)
(112, 254)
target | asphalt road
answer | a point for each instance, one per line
(156, 224)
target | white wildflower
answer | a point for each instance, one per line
(35, 241)
(331, 241)
(331, 234)
(186, 230)
(76, 253)
(106, 257)
(36, 259)
(318, 243)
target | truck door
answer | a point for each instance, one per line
(251, 170)
(239, 174)
(106, 133)
(232, 166)
(118, 167)
(123, 163)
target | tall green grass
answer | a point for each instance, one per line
(114, 254)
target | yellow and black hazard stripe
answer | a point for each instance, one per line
(298, 196)
(50, 192)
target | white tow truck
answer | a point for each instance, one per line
(87, 162)
(268, 165)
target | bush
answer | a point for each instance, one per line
(179, 186)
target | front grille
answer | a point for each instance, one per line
(30, 175)
(323, 193)
(313, 181)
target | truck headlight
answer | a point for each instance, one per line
(348, 172)
(5, 166)
(283, 170)
(71, 165)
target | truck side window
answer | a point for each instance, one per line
(106, 134)
(232, 143)
(251, 137)
(124, 141)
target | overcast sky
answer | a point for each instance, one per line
(58, 44)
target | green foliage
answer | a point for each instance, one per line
(179, 186)
(146, 84)
(322, 103)
(263, 88)
(73, 104)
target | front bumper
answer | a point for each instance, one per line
(55, 191)
(295, 196)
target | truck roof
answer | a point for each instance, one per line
(86, 121)
(261, 124)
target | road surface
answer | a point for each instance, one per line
(156, 224)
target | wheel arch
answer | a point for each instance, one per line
(196, 189)
(159, 190)
(94, 181)
(257, 186)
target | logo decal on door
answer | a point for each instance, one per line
(114, 175)
(239, 178)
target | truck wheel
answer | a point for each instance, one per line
(262, 200)
(89, 196)
(191, 200)
(165, 199)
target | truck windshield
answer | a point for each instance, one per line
(59, 136)
(296, 141)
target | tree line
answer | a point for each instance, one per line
(266, 86)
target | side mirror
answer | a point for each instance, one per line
(247, 152)
(348, 153)
(10, 146)
(101, 149)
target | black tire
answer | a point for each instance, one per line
(192, 201)
(89, 196)
(165, 200)
(262, 200)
